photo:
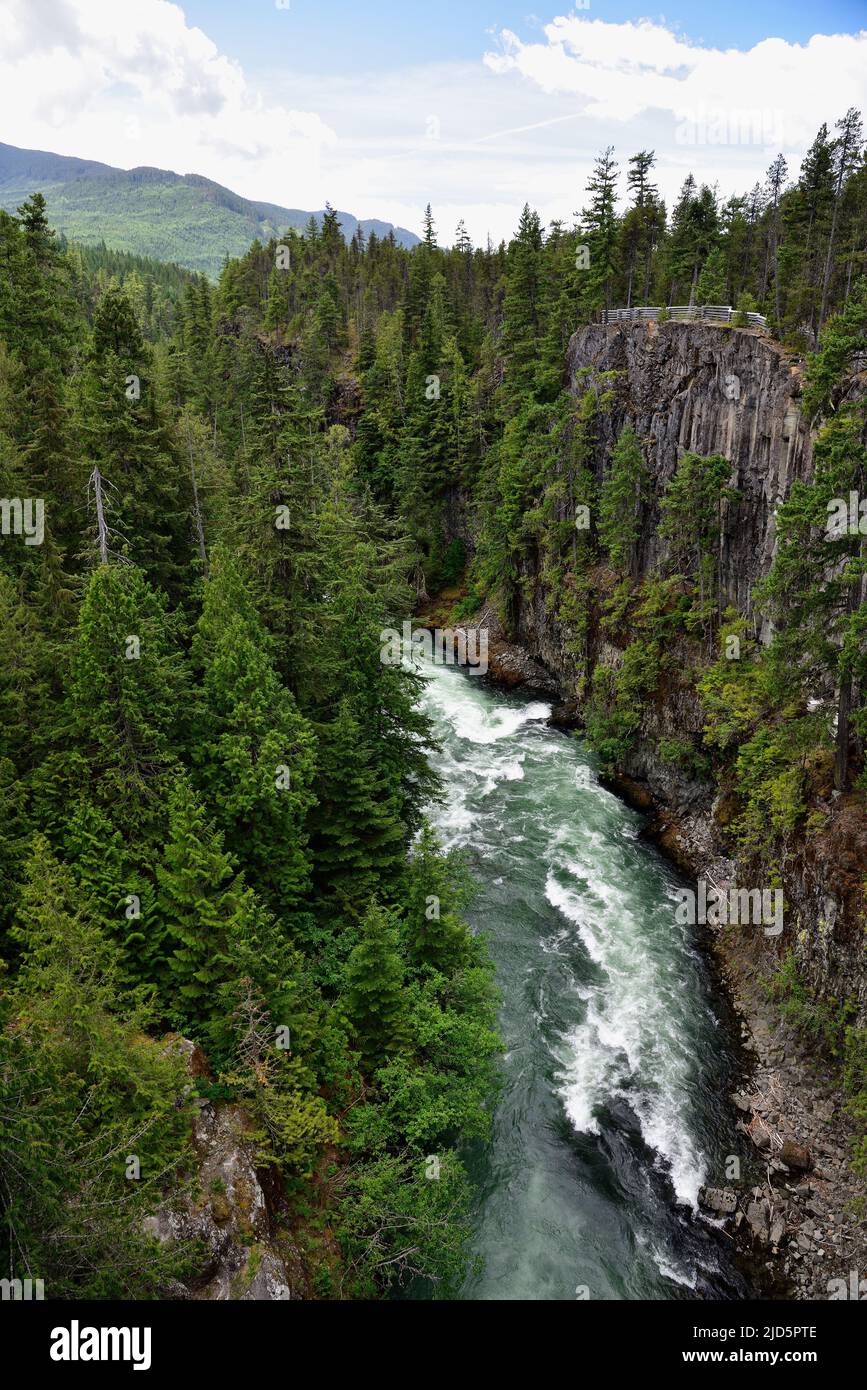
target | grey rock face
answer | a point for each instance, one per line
(735, 393)
(707, 390)
(226, 1209)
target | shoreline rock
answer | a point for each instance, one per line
(805, 1226)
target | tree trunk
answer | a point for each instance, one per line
(101, 527)
(197, 511)
(844, 709)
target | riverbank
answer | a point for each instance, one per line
(797, 1213)
(619, 1053)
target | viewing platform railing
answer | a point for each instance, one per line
(684, 313)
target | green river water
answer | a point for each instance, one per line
(618, 1054)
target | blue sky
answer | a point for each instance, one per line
(476, 108)
(346, 33)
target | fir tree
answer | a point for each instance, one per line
(373, 997)
(620, 499)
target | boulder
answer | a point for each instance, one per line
(757, 1219)
(224, 1209)
(718, 1199)
(796, 1156)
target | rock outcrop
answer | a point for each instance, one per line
(736, 393)
(732, 392)
(693, 388)
(226, 1210)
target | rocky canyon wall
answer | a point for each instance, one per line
(697, 388)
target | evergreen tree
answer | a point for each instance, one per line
(522, 306)
(373, 996)
(128, 441)
(82, 1086)
(253, 751)
(621, 497)
(599, 225)
(845, 153)
(125, 703)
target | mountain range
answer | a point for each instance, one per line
(184, 218)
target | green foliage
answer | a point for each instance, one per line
(254, 752)
(125, 700)
(373, 995)
(222, 785)
(822, 1021)
(82, 1087)
(617, 697)
(398, 1225)
(620, 499)
(684, 755)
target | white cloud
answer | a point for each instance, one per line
(133, 83)
(621, 71)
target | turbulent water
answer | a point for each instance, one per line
(612, 1112)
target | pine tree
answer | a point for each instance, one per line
(253, 750)
(373, 998)
(82, 1086)
(599, 226)
(712, 282)
(620, 500)
(845, 152)
(463, 241)
(692, 520)
(215, 938)
(694, 232)
(357, 833)
(522, 306)
(127, 440)
(430, 236)
(806, 217)
(776, 177)
(814, 589)
(126, 700)
(641, 226)
(438, 891)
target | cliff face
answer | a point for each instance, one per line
(228, 1209)
(707, 391)
(696, 388)
(700, 389)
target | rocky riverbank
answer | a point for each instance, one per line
(797, 1212)
(803, 1221)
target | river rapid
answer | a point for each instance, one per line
(619, 1053)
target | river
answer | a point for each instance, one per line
(618, 1057)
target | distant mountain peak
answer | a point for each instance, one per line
(186, 218)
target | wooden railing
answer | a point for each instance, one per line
(684, 313)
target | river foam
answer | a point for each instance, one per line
(607, 1028)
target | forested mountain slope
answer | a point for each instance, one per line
(155, 212)
(215, 787)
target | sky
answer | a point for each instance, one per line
(476, 108)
